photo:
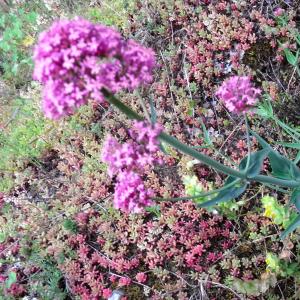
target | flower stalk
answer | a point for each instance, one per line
(197, 155)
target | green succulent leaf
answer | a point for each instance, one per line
(32, 17)
(255, 287)
(228, 194)
(12, 278)
(281, 166)
(256, 161)
(70, 225)
(292, 227)
(2, 237)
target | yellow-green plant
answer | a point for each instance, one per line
(279, 214)
(281, 267)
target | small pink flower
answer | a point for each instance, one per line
(106, 293)
(134, 155)
(124, 281)
(279, 58)
(212, 257)
(278, 12)
(199, 249)
(238, 94)
(82, 218)
(141, 277)
(113, 278)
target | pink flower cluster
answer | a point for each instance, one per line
(238, 94)
(76, 59)
(130, 193)
(127, 161)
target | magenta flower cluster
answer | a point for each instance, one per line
(127, 161)
(76, 59)
(238, 94)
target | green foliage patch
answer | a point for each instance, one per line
(23, 139)
(18, 30)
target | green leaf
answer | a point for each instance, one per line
(228, 194)
(262, 142)
(291, 58)
(297, 37)
(153, 111)
(2, 237)
(15, 68)
(12, 278)
(31, 17)
(256, 161)
(155, 209)
(297, 159)
(290, 145)
(273, 263)
(292, 227)
(255, 287)
(295, 198)
(281, 166)
(4, 46)
(70, 225)
(207, 138)
(265, 110)
(2, 21)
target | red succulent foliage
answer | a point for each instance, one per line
(120, 250)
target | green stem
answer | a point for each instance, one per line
(297, 159)
(223, 156)
(202, 157)
(276, 188)
(276, 181)
(121, 106)
(201, 194)
(248, 144)
(143, 104)
(298, 70)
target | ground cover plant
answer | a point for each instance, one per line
(149, 150)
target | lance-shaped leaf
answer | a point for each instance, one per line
(291, 57)
(255, 164)
(295, 198)
(232, 192)
(281, 166)
(290, 145)
(292, 227)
